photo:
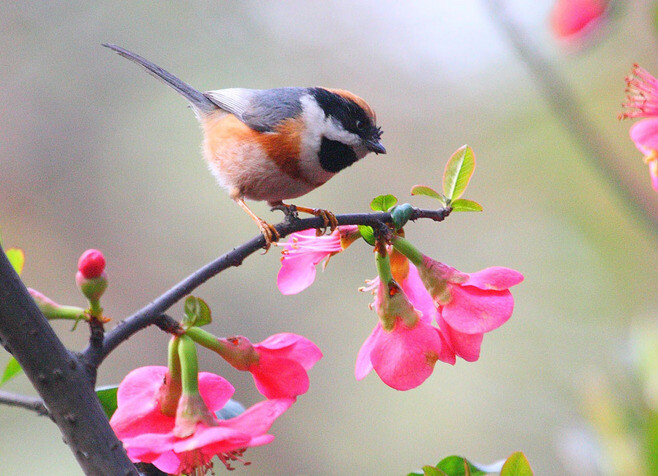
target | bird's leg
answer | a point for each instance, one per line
(269, 232)
(292, 210)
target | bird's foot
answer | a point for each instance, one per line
(290, 211)
(269, 233)
(328, 218)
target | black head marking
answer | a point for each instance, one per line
(347, 112)
(335, 156)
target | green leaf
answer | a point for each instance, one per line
(432, 471)
(367, 234)
(401, 214)
(16, 258)
(459, 466)
(383, 202)
(108, 397)
(516, 465)
(458, 172)
(197, 312)
(428, 191)
(463, 205)
(12, 369)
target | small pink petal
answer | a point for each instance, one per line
(363, 364)
(258, 419)
(415, 290)
(130, 421)
(214, 390)
(644, 135)
(167, 462)
(221, 438)
(294, 347)
(405, 357)
(296, 274)
(447, 354)
(466, 346)
(496, 278)
(140, 384)
(279, 377)
(571, 18)
(474, 311)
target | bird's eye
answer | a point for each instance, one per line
(360, 125)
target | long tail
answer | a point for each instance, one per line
(198, 100)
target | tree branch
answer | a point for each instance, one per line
(59, 378)
(565, 105)
(23, 401)
(153, 311)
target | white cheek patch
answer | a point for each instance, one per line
(334, 131)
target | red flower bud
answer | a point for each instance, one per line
(91, 264)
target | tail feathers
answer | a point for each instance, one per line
(198, 100)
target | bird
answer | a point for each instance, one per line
(276, 144)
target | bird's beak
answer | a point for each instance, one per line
(375, 146)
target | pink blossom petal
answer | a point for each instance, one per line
(148, 446)
(415, 290)
(474, 311)
(294, 347)
(279, 377)
(467, 346)
(258, 419)
(167, 462)
(296, 274)
(223, 439)
(131, 421)
(140, 384)
(405, 357)
(571, 18)
(644, 134)
(214, 390)
(363, 363)
(496, 278)
(447, 354)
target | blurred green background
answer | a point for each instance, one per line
(96, 154)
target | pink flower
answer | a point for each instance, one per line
(279, 364)
(403, 347)
(169, 441)
(305, 250)
(472, 303)
(641, 94)
(91, 264)
(645, 136)
(574, 19)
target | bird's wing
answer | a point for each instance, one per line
(260, 109)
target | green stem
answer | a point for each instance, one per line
(206, 339)
(171, 391)
(95, 309)
(71, 313)
(189, 365)
(384, 268)
(405, 247)
(173, 361)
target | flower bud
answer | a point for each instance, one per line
(91, 264)
(91, 277)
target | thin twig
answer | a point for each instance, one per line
(24, 401)
(152, 312)
(565, 105)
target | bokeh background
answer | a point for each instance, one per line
(96, 154)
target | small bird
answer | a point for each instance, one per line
(276, 144)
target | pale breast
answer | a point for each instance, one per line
(258, 166)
